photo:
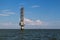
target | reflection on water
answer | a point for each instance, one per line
(30, 34)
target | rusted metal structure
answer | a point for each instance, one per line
(22, 18)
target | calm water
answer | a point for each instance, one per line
(30, 34)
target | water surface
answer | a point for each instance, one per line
(30, 34)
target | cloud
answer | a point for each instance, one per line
(31, 22)
(6, 13)
(9, 25)
(35, 6)
(54, 23)
(21, 3)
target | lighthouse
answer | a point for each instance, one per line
(22, 18)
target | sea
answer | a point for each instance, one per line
(30, 34)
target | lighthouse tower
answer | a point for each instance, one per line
(22, 18)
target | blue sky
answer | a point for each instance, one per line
(42, 14)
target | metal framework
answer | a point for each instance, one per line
(22, 18)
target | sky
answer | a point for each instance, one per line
(38, 14)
